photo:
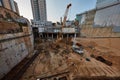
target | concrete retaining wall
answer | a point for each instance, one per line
(14, 48)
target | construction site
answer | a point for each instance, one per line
(88, 49)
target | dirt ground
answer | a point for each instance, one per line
(57, 60)
(108, 48)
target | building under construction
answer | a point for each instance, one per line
(89, 50)
(54, 31)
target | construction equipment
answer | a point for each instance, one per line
(64, 21)
(66, 14)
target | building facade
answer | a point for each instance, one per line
(103, 21)
(104, 3)
(12, 5)
(39, 10)
(6, 4)
(0, 3)
(16, 7)
(42, 10)
(108, 14)
(9, 4)
(81, 18)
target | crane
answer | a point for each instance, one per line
(64, 21)
(66, 14)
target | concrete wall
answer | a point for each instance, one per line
(89, 30)
(104, 3)
(16, 7)
(6, 4)
(12, 5)
(99, 32)
(3, 12)
(5, 27)
(0, 3)
(13, 49)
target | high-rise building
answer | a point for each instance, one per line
(39, 10)
(16, 7)
(6, 4)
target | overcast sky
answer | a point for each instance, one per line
(56, 8)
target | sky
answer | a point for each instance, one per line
(56, 8)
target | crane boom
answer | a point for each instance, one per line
(64, 21)
(66, 14)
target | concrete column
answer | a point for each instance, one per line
(67, 36)
(62, 36)
(42, 35)
(47, 36)
(52, 36)
(57, 36)
(39, 35)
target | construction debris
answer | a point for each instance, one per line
(57, 61)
